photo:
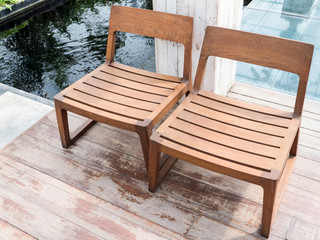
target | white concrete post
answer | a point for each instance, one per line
(220, 73)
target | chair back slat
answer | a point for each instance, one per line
(273, 52)
(166, 26)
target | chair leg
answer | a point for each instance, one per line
(154, 167)
(294, 147)
(144, 134)
(81, 130)
(62, 119)
(63, 125)
(273, 192)
(166, 163)
(269, 197)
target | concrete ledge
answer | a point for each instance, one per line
(15, 7)
(17, 114)
(25, 10)
(5, 88)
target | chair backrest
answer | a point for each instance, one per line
(149, 23)
(273, 52)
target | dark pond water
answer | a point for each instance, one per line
(57, 48)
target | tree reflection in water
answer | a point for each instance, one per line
(57, 48)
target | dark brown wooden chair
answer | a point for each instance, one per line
(123, 96)
(242, 140)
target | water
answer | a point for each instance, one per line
(293, 19)
(57, 48)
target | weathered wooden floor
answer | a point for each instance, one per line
(97, 189)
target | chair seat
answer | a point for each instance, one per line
(116, 94)
(228, 136)
(244, 141)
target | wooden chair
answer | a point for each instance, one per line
(123, 96)
(242, 140)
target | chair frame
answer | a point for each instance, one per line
(283, 54)
(148, 23)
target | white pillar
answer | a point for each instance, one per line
(220, 73)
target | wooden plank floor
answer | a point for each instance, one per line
(97, 189)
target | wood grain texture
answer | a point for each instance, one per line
(9, 232)
(97, 219)
(95, 181)
(105, 170)
(126, 189)
(204, 231)
(229, 152)
(302, 230)
(275, 53)
(304, 181)
(123, 96)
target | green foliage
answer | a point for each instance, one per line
(8, 3)
(7, 33)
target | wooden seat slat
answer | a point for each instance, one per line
(235, 121)
(239, 139)
(124, 96)
(107, 106)
(246, 105)
(213, 149)
(141, 72)
(204, 160)
(103, 76)
(100, 115)
(116, 97)
(231, 130)
(124, 91)
(228, 141)
(121, 73)
(237, 111)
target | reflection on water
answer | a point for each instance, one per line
(293, 19)
(57, 48)
(297, 6)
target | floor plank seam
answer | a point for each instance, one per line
(212, 185)
(85, 160)
(268, 101)
(310, 147)
(291, 223)
(204, 212)
(17, 228)
(311, 178)
(307, 157)
(90, 140)
(195, 206)
(136, 214)
(173, 202)
(94, 196)
(264, 100)
(53, 212)
(310, 129)
(117, 130)
(303, 189)
(186, 233)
